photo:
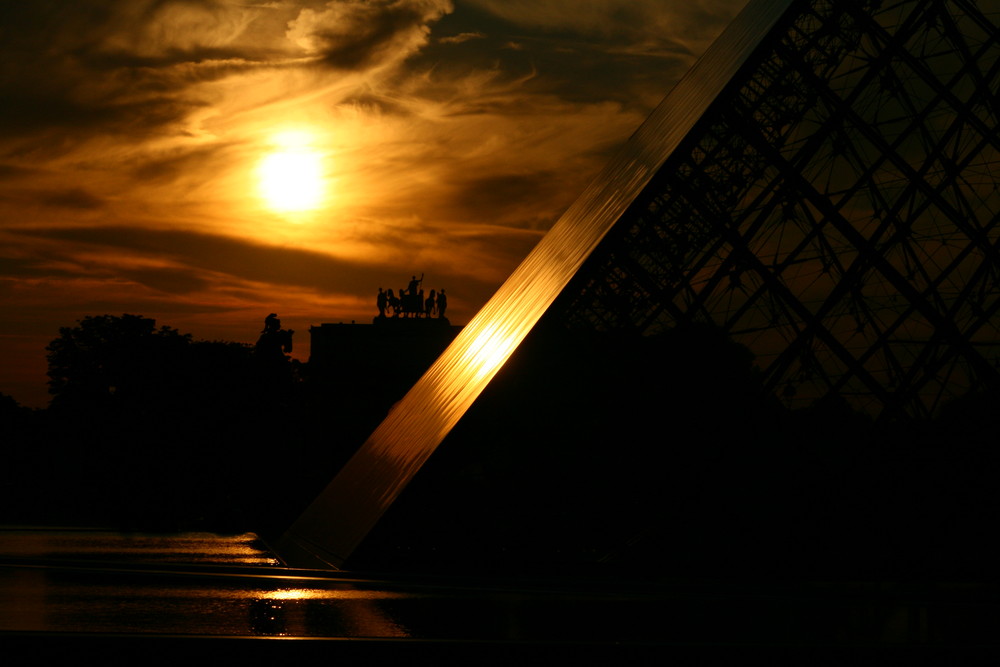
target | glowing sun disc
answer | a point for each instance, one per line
(292, 180)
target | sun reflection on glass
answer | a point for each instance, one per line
(488, 351)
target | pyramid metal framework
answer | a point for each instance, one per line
(822, 185)
(836, 210)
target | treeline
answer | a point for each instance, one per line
(150, 429)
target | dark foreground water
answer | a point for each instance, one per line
(212, 585)
(165, 598)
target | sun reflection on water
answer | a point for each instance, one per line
(292, 611)
(325, 594)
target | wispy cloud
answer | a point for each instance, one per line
(461, 37)
(360, 34)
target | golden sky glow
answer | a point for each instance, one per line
(207, 162)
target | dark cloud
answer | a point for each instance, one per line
(71, 198)
(17, 268)
(40, 111)
(138, 69)
(59, 265)
(603, 50)
(170, 281)
(180, 162)
(615, 23)
(508, 197)
(119, 66)
(23, 199)
(358, 34)
(11, 172)
(213, 254)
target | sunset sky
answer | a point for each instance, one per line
(206, 162)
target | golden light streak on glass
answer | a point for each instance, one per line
(336, 522)
(487, 353)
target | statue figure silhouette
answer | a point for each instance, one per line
(274, 342)
(393, 303)
(442, 304)
(429, 304)
(382, 301)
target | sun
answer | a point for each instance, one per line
(291, 177)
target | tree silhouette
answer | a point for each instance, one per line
(155, 430)
(104, 356)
